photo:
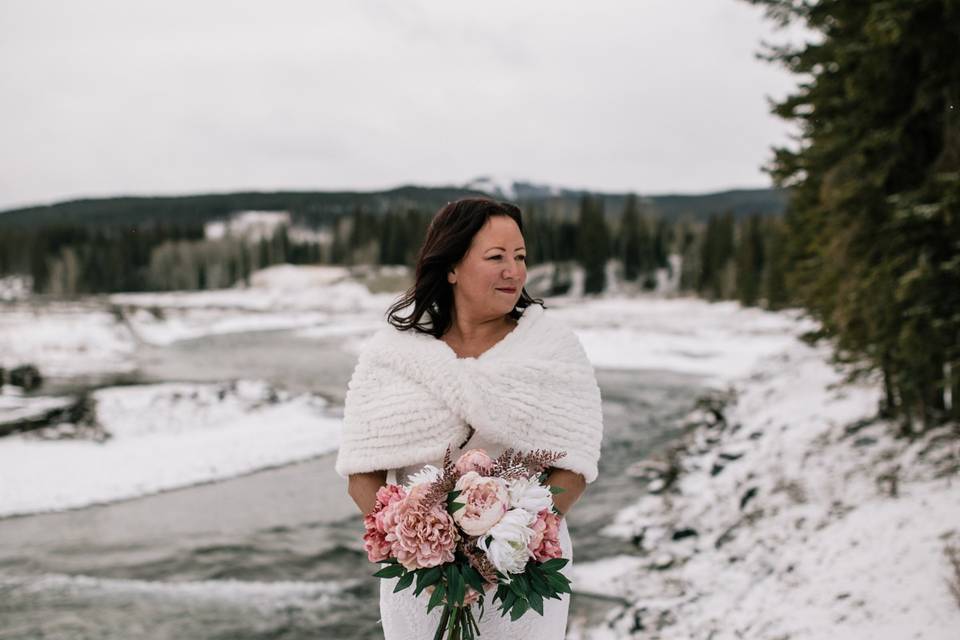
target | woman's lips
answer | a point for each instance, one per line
(506, 290)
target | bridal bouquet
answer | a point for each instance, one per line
(476, 524)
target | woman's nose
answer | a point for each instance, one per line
(512, 271)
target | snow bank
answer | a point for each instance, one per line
(324, 298)
(165, 436)
(721, 341)
(808, 519)
(65, 339)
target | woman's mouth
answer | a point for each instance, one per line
(507, 290)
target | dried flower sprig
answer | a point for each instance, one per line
(514, 464)
(442, 486)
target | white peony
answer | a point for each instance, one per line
(508, 548)
(528, 494)
(429, 473)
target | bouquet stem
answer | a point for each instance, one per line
(458, 623)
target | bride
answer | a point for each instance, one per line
(477, 364)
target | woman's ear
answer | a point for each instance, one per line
(451, 276)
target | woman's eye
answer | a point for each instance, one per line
(524, 258)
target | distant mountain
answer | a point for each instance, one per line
(320, 207)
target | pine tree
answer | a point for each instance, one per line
(873, 226)
(593, 243)
(630, 239)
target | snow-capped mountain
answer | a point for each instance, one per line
(509, 188)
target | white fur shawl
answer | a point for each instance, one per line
(410, 396)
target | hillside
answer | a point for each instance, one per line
(314, 208)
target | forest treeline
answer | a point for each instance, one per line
(66, 260)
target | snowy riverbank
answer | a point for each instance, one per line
(162, 436)
(166, 436)
(794, 517)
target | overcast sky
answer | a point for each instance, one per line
(142, 97)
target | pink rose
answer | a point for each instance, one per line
(422, 538)
(381, 521)
(474, 460)
(486, 499)
(545, 543)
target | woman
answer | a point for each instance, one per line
(476, 364)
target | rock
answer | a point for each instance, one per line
(730, 456)
(726, 536)
(657, 486)
(864, 441)
(680, 534)
(662, 561)
(27, 377)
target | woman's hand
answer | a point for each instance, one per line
(573, 484)
(362, 487)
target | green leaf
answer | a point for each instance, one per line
(392, 571)
(556, 490)
(554, 565)
(540, 585)
(456, 506)
(473, 577)
(454, 585)
(518, 610)
(559, 583)
(427, 577)
(404, 581)
(507, 603)
(536, 602)
(453, 495)
(436, 598)
(523, 582)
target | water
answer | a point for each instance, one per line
(277, 553)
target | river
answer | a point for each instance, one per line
(276, 553)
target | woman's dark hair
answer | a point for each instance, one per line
(448, 238)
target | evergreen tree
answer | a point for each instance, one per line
(593, 243)
(629, 240)
(773, 283)
(873, 226)
(749, 261)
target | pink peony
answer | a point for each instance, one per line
(474, 460)
(486, 499)
(422, 538)
(545, 543)
(381, 521)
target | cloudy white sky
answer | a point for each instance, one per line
(110, 97)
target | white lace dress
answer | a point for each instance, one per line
(405, 617)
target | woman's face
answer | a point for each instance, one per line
(496, 260)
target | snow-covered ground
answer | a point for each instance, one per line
(165, 436)
(15, 287)
(793, 527)
(810, 521)
(279, 297)
(65, 339)
(721, 341)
